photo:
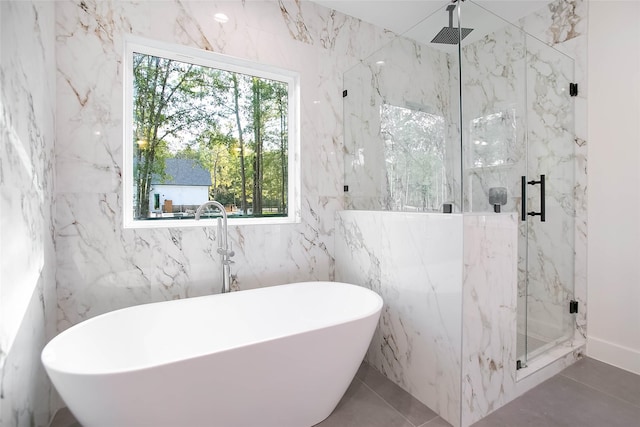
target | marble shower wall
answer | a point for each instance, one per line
(494, 115)
(102, 266)
(366, 252)
(414, 261)
(425, 266)
(403, 74)
(563, 25)
(518, 121)
(515, 89)
(489, 314)
(27, 273)
(525, 80)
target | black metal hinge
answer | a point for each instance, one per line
(518, 365)
(573, 89)
(573, 306)
(346, 188)
(344, 93)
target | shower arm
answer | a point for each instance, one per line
(451, 8)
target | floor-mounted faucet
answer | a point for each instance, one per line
(224, 247)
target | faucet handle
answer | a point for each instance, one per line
(230, 251)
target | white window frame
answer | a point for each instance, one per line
(214, 60)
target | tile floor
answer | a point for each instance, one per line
(587, 394)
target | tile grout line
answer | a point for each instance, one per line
(387, 403)
(600, 391)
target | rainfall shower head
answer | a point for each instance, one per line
(451, 34)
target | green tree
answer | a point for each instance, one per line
(268, 107)
(233, 124)
(162, 90)
(414, 154)
(258, 127)
(241, 143)
(282, 100)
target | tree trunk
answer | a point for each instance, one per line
(257, 162)
(283, 157)
(243, 175)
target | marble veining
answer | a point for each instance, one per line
(523, 83)
(102, 266)
(97, 266)
(563, 25)
(448, 313)
(386, 78)
(565, 21)
(27, 254)
(489, 314)
(414, 261)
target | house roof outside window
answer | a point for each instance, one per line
(183, 172)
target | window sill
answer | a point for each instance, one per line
(208, 222)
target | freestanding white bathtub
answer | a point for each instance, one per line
(281, 356)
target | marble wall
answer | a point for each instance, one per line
(563, 25)
(449, 308)
(27, 273)
(414, 261)
(523, 82)
(516, 91)
(489, 314)
(517, 119)
(389, 77)
(101, 265)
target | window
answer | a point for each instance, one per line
(202, 126)
(414, 149)
(493, 139)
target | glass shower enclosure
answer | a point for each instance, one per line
(482, 126)
(517, 139)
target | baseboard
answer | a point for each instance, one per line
(614, 354)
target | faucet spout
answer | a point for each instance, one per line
(223, 242)
(211, 203)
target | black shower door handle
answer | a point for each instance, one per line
(523, 203)
(542, 213)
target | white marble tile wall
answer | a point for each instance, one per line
(102, 266)
(404, 74)
(563, 25)
(494, 86)
(489, 314)
(557, 248)
(414, 261)
(27, 272)
(535, 130)
(494, 118)
(450, 307)
(487, 385)
(550, 252)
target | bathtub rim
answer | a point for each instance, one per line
(55, 367)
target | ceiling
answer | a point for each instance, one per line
(422, 19)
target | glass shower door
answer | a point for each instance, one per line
(549, 186)
(517, 127)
